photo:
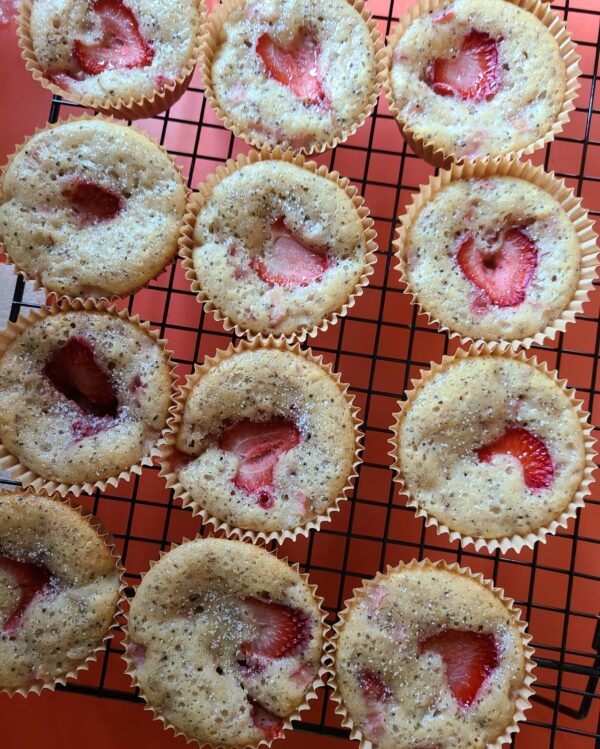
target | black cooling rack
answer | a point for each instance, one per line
(379, 347)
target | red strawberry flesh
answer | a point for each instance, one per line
(89, 427)
(469, 658)
(288, 261)
(474, 74)
(503, 273)
(373, 687)
(122, 44)
(32, 579)
(529, 450)
(92, 202)
(271, 725)
(298, 66)
(258, 445)
(280, 630)
(74, 372)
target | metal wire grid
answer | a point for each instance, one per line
(379, 347)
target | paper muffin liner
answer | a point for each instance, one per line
(169, 448)
(83, 665)
(438, 156)
(197, 202)
(113, 120)
(516, 542)
(311, 693)
(523, 698)
(128, 109)
(30, 478)
(210, 44)
(508, 167)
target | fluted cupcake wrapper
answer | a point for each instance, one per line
(443, 159)
(72, 118)
(28, 477)
(508, 167)
(93, 656)
(516, 542)
(523, 698)
(210, 44)
(311, 693)
(169, 448)
(128, 109)
(198, 200)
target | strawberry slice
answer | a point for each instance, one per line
(271, 725)
(373, 687)
(93, 203)
(74, 372)
(32, 579)
(503, 273)
(529, 450)
(469, 658)
(473, 74)
(280, 630)
(122, 44)
(288, 261)
(258, 445)
(298, 66)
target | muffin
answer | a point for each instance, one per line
(491, 447)
(276, 246)
(225, 642)
(84, 397)
(503, 253)
(265, 442)
(301, 74)
(431, 655)
(59, 589)
(91, 208)
(132, 59)
(471, 79)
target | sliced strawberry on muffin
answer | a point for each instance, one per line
(373, 686)
(503, 272)
(280, 630)
(259, 445)
(122, 44)
(473, 74)
(529, 450)
(74, 371)
(31, 579)
(91, 201)
(288, 261)
(297, 66)
(469, 658)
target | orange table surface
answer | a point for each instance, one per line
(67, 720)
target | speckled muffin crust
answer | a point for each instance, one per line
(59, 587)
(225, 640)
(295, 73)
(491, 447)
(114, 50)
(278, 248)
(412, 650)
(514, 105)
(529, 284)
(83, 395)
(91, 208)
(267, 440)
